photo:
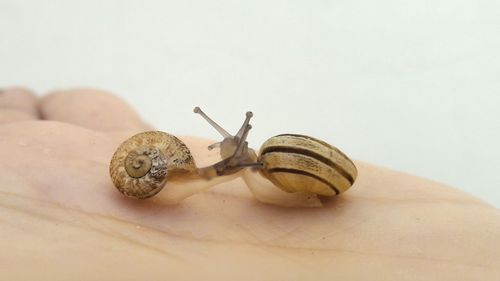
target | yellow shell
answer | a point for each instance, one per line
(143, 163)
(298, 163)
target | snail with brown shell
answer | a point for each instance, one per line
(290, 169)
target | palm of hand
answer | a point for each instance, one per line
(61, 215)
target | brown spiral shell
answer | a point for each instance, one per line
(143, 163)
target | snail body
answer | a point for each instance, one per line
(301, 167)
(294, 163)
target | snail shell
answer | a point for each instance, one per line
(143, 163)
(298, 163)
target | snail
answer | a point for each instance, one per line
(289, 170)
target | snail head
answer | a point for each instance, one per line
(234, 149)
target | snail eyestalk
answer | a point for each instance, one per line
(248, 116)
(216, 126)
(242, 144)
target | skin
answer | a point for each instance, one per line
(61, 216)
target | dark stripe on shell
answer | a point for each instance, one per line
(304, 173)
(320, 142)
(312, 154)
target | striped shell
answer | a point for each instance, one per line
(142, 164)
(298, 163)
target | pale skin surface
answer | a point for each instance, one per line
(62, 219)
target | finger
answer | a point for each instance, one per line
(17, 104)
(55, 187)
(91, 108)
(11, 116)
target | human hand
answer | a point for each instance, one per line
(62, 219)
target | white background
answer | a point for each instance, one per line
(411, 85)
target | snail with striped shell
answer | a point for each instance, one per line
(301, 167)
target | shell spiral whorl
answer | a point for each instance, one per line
(142, 164)
(143, 160)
